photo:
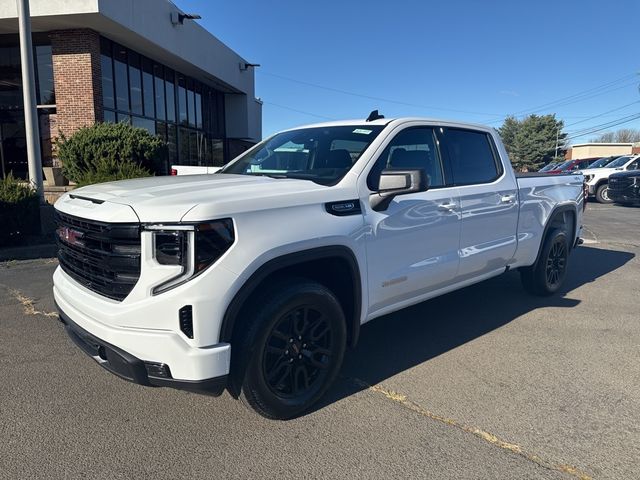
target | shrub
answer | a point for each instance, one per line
(110, 151)
(19, 210)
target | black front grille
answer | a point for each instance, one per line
(619, 184)
(103, 257)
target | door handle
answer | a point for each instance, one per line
(507, 198)
(447, 207)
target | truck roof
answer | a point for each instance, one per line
(397, 120)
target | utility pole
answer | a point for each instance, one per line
(32, 132)
(557, 138)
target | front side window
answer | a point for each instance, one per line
(472, 156)
(618, 162)
(411, 149)
(634, 165)
(322, 154)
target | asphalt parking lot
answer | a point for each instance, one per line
(487, 382)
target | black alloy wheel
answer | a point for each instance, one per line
(556, 264)
(298, 352)
(289, 349)
(547, 275)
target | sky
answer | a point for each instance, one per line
(463, 60)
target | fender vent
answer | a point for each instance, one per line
(185, 316)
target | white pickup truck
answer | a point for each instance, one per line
(255, 279)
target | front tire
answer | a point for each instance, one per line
(547, 275)
(602, 194)
(292, 350)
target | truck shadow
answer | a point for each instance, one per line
(396, 342)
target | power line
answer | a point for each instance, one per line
(599, 128)
(298, 111)
(603, 114)
(579, 97)
(575, 95)
(371, 97)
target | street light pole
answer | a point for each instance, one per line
(32, 132)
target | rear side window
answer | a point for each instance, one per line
(413, 148)
(472, 156)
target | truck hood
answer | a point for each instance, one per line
(596, 171)
(198, 197)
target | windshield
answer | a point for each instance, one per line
(600, 163)
(549, 167)
(322, 154)
(618, 162)
(564, 166)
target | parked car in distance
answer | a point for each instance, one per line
(597, 179)
(624, 187)
(570, 166)
(602, 162)
(549, 166)
(257, 278)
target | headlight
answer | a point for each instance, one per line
(193, 248)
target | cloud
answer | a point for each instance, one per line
(509, 93)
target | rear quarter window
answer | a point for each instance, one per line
(472, 156)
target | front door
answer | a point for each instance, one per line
(413, 245)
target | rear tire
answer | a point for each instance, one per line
(602, 194)
(547, 275)
(292, 349)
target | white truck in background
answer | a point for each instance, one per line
(256, 279)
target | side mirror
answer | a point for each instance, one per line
(397, 182)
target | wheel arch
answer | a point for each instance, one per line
(320, 264)
(559, 217)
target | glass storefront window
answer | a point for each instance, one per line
(172, 143)
(182, 102)
(171, 95)
(146, 123)
(184, 112)
(109, 116)
(147, 88)
(198, 111)
(135, 83)
(121, 78)
(106, 67)
(191, 111)
(160, 94)
(44, 74)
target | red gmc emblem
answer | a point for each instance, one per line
(70, 236)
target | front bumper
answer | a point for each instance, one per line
(630, 199)
(131, 368)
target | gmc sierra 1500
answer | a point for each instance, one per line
(256, 278)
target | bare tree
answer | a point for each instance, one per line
(624, 135)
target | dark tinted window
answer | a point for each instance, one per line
(472, 157)
(414, 148)
(159, 92)
(135, 83)
(122, 83)
(44, 73)
(147, 88)
(635, 165)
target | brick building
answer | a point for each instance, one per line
(140, 62)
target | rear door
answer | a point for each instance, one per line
(488, 202)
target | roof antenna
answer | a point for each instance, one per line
(374, 115)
